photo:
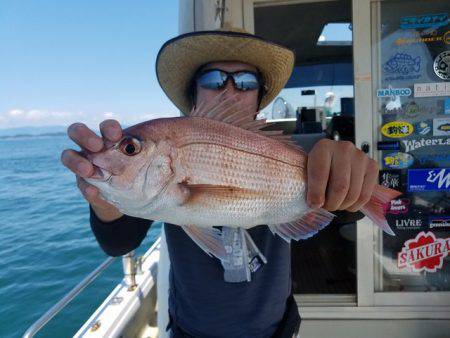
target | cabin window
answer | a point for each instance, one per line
(317, 102)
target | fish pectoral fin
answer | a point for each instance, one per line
(208, 239)
(209, 190)
(306, 226)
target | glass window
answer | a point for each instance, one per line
(412, 91)
(318, 97)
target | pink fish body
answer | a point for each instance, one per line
(215, 169)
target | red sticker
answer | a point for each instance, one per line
(425, 252)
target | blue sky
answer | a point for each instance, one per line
(67, 61)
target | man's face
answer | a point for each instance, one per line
(248, 98)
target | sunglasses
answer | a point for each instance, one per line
(217, 79)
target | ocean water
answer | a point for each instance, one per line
(46, 245)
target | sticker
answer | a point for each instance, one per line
(398, 206)
(408, 223)
(439, 221)
(447, 106)
(441, 127)
(390, 178)
(434, 158)
(412, 109)
(403, 66)
(446, 38)
(411, 145)
(424, 21)
(431, 89)
(420, 39)
(425, 252)
(397, 129)
(423, 127)
(428, 179)
(386, 92)
(441, 65)
(398, 160)
(388, 145)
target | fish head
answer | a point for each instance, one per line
(131, 173)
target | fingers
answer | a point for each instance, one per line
(85, 137)
(77, 163)
(318, 169)
(370, 180)
(111, 130)
(340, 174)
(358, 165)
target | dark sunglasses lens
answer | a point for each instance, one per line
(212, 80)
(246, 81)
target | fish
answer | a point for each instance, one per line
(403, 64)
(216, 167)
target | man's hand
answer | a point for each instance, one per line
(340, 176)
(89, 141)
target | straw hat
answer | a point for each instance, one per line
(179, 59)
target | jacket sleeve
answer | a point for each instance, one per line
(121, 236)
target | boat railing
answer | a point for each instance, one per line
(131, 266)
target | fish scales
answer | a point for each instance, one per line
(267, 185)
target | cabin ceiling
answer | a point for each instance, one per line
(299, 26)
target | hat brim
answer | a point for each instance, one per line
(180, 57)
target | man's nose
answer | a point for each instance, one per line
(229, 89)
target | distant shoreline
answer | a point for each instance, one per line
(8, 137)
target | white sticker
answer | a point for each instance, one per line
(432, 89)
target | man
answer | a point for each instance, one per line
(194, 68)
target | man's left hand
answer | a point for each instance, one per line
(340, 176)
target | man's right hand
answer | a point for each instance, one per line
(89, 141)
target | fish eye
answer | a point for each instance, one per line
(130, 146)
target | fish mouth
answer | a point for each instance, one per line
(101, 174)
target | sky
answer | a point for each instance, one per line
(82, 61)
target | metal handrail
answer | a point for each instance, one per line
(39, 324)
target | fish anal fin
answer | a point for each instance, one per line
(306, 226)
(208, 239)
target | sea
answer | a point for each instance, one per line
(46, 244)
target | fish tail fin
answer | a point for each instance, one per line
(375, 209)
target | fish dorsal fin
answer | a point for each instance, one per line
(232, 111)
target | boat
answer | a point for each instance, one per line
(350, 280)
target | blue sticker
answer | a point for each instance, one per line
(388, 145)
(423, 127)
(398, 160)
(429, 179)
(386, 92)
(447, 106)
(424, 21)
(402, 66)
(441, 221)
(436, 159)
